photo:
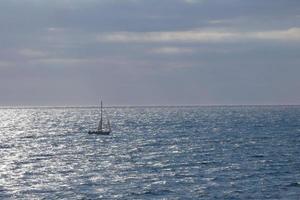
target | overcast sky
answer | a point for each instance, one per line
(149, 52)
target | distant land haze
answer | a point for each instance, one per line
(158, 52)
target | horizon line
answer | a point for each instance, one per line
(133, 106)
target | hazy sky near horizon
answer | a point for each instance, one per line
(149, 52)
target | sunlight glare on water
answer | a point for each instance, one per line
(242, 152)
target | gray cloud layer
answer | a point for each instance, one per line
(149, 52)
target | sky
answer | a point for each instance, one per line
(149, 52)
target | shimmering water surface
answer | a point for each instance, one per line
(246, 152)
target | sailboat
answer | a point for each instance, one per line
(102, 130)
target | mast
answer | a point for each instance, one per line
(100, 127)
(101, 117)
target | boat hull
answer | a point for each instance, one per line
(99, 132)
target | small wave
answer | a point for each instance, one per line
(295, 184)
(207, 163)
(29, 137)
(6, 146)
(258, 156)
(155, 192)
(43, 155)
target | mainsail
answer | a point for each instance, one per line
(103, 130)
(100, 126)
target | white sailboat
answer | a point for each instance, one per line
(101, 130)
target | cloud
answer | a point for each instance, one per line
(176, 36)
(32, 53)
(112, 61)
(55, 29)
(194, 1)
(292, 34)
(171, 50)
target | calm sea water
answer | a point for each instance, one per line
(246, 152)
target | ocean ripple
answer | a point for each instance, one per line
(230, 152)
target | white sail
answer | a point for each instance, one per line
(103, 129)
(100, 127)
(108, 124)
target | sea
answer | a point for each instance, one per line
(193, 152)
